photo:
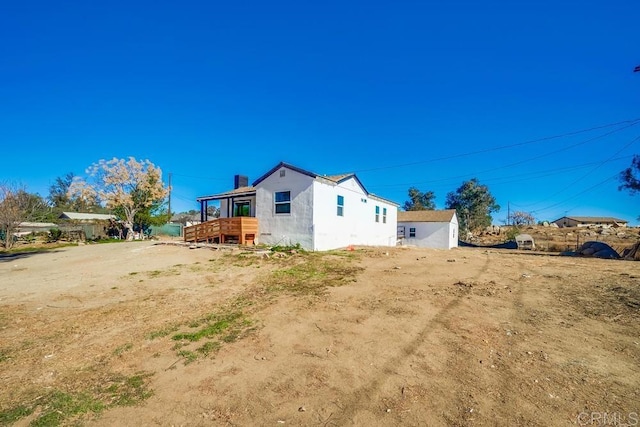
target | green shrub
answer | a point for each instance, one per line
(54, 235)
(511, 234)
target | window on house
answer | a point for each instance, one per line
(377, 213)
(412, 232)
(340, 206)
(283, 202)
(384, 215)
(282, 172)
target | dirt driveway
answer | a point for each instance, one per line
(153, 334)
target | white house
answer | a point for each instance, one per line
(429, 229)
(319, 212)
(587, 221)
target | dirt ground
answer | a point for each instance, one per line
(402, 336)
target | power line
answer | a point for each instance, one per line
(599, 164)
(521, 161)
(578, 194)
(199, 177)
(502, 147)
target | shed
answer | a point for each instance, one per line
(90, 225)
(436, 229)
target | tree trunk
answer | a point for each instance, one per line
(8, 237)
(129, 226)
(130, 214)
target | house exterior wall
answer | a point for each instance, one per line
(356, 225)
(436, 235)
(314, 222)
(285, 229)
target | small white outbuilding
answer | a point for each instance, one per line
(436, 229)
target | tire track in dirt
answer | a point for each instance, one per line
(441, 320)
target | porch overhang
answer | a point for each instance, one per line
(229, 196)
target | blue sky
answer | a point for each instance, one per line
(403, 93)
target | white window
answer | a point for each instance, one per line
(340, 206)
(282, 201)
(377, 213)
(412, 232)
(384, 215)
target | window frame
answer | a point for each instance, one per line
(340, 205)
(377, 213)
(384, 215)
(277, 203)
(412, 232)
(241, 203)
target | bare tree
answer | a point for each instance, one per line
(16, 206)
(128, 186)
(519, 218)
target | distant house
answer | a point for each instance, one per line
(186, 220)
(292, 205)
(436, 229)
(87, 225)
(586, 221)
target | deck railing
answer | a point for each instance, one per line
(242, 230)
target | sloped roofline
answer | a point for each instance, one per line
(284, 165)
(338, 179)
(248, 191)
(86, 216)
(436, 215)
(238, 192)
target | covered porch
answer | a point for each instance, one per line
(241, 230)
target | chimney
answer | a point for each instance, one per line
(240, 181)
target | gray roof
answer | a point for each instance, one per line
(242, 191)
(27, 224)
(595, 219)
(86, 216)
(445, 215)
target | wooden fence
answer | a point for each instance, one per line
(241, 230)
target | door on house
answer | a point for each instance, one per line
(401, 232)
(242, 208)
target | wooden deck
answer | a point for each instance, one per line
(241, 230)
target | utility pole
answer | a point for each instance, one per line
(169, 204)
(508, 213)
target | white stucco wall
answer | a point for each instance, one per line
(357, 226)
(285, 229)
(314, 222)
(436, 235)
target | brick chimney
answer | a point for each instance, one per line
(240, 181)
